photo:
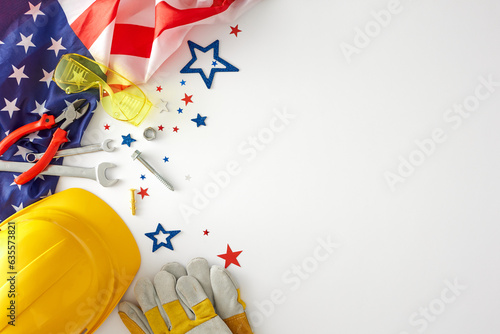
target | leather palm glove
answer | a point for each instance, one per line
(181, 301)
(221, 288)
(171, 306)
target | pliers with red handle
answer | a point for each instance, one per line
(74, 111)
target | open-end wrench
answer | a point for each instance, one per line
(104, 146)
(97, 173)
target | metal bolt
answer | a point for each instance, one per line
(137, 155)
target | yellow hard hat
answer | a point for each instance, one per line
(69, 259)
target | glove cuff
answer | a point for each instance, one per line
(131, 325)
(238, 324)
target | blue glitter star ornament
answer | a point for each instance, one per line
(208, 80)
(160, 234)
(127, 140)
(199, 120)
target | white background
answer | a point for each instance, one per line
(323, 176)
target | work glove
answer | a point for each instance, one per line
(181, 301)
(221, 288)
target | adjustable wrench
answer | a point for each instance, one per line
(104, 146)
(97, 173)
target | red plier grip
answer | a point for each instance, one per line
(59, 137)
(45, 122)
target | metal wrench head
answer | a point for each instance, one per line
(101, 174)
(106, 147)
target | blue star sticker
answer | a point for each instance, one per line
(215, 46)
(165, 159)
(179, 111)
(199, 120)
(127, 140)
(158, 235)
(183, 82)
(143, 176)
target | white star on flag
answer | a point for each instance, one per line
(10, 106)
(20, 207)
(48, 194)
(40, 108)
(18, 74)
(22, 151)
(56, 46)
(15, 184)
(69, 104)
(26, 42)
(32, 136)
(47, 77)
(34, 11)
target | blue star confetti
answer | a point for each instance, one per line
(165, 159)
(143, 177)
(183, 82)
(159, 234)
(127, 140)
(215, 46)
(199, 120)
(179, 111)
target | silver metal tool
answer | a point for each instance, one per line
(137, 155)
(97, 173)
(104, 146)
(149, 133)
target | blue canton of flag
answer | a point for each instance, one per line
(33, 37)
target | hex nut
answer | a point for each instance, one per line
(149, 133)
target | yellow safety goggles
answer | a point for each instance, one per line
(121, 98)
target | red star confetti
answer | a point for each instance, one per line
(206, 232)
(143, 192)
(176, 129)
(187, 98)
(235, 31)
(160, 128)
(159, 89)
(230, 257)
(106, 126)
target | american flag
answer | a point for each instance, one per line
(33, 36)
(135, 37)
